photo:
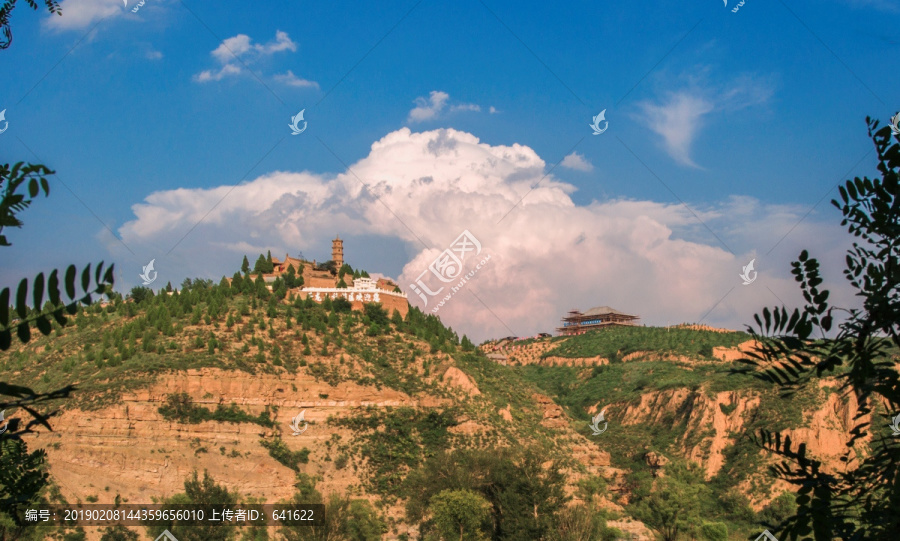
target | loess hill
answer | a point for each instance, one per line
(209, 377)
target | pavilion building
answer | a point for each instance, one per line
(577, 322)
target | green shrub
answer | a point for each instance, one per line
(280, 452)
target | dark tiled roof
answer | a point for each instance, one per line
(603, 310)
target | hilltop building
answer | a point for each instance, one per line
(361, 291)
(337, 252)
(577, 322)
(318, 284)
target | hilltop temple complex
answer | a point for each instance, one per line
(577, 322)
(319, 282)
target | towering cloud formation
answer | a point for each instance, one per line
(548, 254)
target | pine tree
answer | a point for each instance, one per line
(245, 266)
(261, 264)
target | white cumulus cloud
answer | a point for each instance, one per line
(81, 14)
(235, 52)
(547, 253)
(431, 108)
(577, 162)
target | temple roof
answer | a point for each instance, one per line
(603, 310)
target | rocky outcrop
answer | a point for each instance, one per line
(553, 415)
(656, 462)
(457, 378)
(733, 354)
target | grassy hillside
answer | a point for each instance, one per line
(616, 342)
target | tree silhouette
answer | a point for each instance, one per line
(40, 313)
(862, 501)
(21, 473)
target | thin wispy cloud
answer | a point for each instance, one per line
(432, 107)
(237, 51)
(290, 79)
(678, 116)
(677, 119)
(577, 162)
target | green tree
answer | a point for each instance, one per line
(525, 497)
(581, 523)
(376, 314)
(674, 504)
(290, 277)
(118, 533)
(341, 305)
(22, 477)
(199, 492)
(363, 523)
(140, 293)
(263, 265)
(397, 320)
(345, 519)
(245, 266)
(862, 499)
(460, 514)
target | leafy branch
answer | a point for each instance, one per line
(6, 10)
(860, 500)
(56, 307)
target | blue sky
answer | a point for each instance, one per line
(748, 118)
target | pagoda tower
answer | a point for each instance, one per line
(337, 252)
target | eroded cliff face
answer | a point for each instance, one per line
(708, 428)
(131, 449)
(713, 421)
